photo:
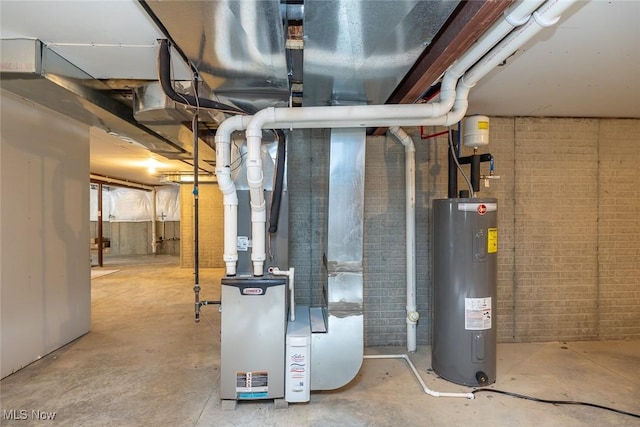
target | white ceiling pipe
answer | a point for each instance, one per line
(518, 14)
(546, 16)
(410, 233)
(377, 115)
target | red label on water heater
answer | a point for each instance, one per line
(479, 208)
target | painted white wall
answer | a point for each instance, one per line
(45, 280)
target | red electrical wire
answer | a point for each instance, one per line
(423, 136)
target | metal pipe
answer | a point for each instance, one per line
(196, 233)
(424, 386)
(154, 232)
(129, 184)
(100, 254)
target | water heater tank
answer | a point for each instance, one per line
(464, 295)
(475, 131)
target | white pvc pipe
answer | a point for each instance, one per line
(228, 189)
(518, 14)
(379, 115)
(410, 231)
(290, 273)
(426, 389)
(547, 15)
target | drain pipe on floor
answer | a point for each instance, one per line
(410, 231)
(424, 386)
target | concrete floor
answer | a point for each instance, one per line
(145, 362)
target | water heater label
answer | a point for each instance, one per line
(480, 208)
(477, 314)
(492, 240)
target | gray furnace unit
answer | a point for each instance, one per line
(464, 277)
(254, 321)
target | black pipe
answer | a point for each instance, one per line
(475, 172)
(486, 157)
(276, 196)
(164, 74)
(475, 161)
(196, 225)
(452, 170)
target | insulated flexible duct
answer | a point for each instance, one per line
(164, 74)
(278, 186)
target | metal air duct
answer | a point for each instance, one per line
(32, 70)
(337, 354)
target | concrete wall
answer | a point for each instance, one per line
(44, 268)
(568, 225)
(134, 238)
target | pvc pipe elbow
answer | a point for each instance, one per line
(545, 22)
(520, 13)
(259, 120)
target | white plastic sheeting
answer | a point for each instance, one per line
(93, 203)
(131, 205)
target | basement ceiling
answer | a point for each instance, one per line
(353, 52)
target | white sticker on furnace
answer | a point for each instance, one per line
(477, 314)
(243, 243)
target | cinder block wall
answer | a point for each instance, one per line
(210, 219)
(568, 225)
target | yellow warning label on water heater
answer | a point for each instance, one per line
(483, 125)
(492, 240)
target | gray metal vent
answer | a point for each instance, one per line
(35, 72)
